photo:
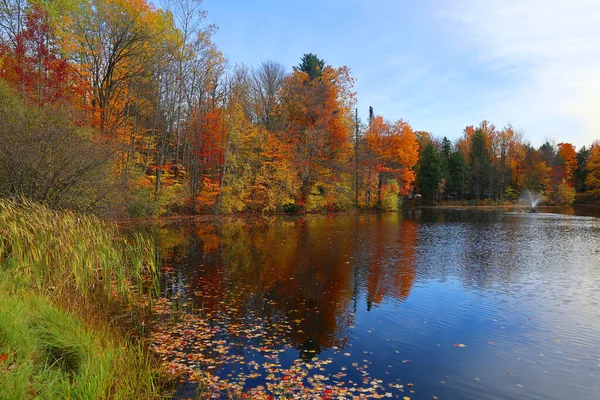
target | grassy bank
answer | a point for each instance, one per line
(70, 292)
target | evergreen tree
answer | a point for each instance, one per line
(445, 156)
(550, 155)
(581, 172)
(311, 65)
(458, 170)
(548, 151)
(480, 164)
(446, 147)
(430, 172)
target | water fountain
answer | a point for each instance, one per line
(534, 199)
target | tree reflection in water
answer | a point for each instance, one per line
(311, 271)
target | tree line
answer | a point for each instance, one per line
(118, 106)
(497, 165)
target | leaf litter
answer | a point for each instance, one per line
(233, 352)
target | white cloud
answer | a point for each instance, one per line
(551, 51)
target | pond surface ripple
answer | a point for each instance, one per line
(440, 304)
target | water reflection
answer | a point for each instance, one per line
(397, 292)
(313, 271)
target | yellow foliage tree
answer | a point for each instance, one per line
(592, 181)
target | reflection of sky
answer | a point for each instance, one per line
(528, 284)
(499, 338)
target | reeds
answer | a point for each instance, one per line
(62, 253)
(65, 278)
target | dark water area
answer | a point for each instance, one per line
(447, 304)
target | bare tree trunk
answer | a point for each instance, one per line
(369, 186)
(255, 176)
(356, 158)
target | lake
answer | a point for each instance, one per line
(425, 304)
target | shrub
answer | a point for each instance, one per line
(563, 195)
(291, 208)
(47, 158)
(390, 199)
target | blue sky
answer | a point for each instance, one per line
(440, 65)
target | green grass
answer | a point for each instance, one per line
(51, 354)
(64, 281)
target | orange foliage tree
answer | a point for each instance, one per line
(316, 122)
(568, 158)
(394, 152)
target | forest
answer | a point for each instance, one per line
(122, 108)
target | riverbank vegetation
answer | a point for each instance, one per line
(70, 301)
(123, 108)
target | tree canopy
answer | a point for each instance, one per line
(119, 105)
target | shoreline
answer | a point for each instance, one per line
(251, 215)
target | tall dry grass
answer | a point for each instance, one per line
(64, 254)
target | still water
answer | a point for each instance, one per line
(446, 304)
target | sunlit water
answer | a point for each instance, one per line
(458, 304)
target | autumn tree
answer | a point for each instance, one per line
(513, 159)
(537, 172)
(592, 181)
(12, 22)
(114, 46)
(33, 63)
(188, 131)
(463, 144)
(265, 83)
(567, 157)
(563, 194)
(316, 123)
(394, 152)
